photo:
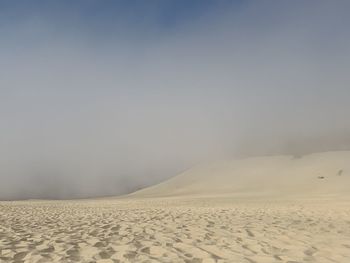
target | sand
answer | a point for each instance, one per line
(319, 174)
(186, 220)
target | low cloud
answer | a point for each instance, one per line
(85, 113)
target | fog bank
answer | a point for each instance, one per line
(97, 102)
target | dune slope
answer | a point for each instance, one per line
(325, 173)
(193, 226)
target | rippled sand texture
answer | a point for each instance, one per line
(174, 230)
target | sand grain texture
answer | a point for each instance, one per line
(186, 220)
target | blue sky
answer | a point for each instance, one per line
(94, 15)
(102, 22)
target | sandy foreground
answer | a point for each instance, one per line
(269, 209)
(175, 230)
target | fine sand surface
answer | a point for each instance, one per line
(319, 174)
(232, 211)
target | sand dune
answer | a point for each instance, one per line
(256, 210)
(319, 174)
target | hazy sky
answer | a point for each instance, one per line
(103, 97)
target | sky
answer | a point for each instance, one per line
(102, 98)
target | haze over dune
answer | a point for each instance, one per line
(174, 131)
(322, 175)
(104, 98)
